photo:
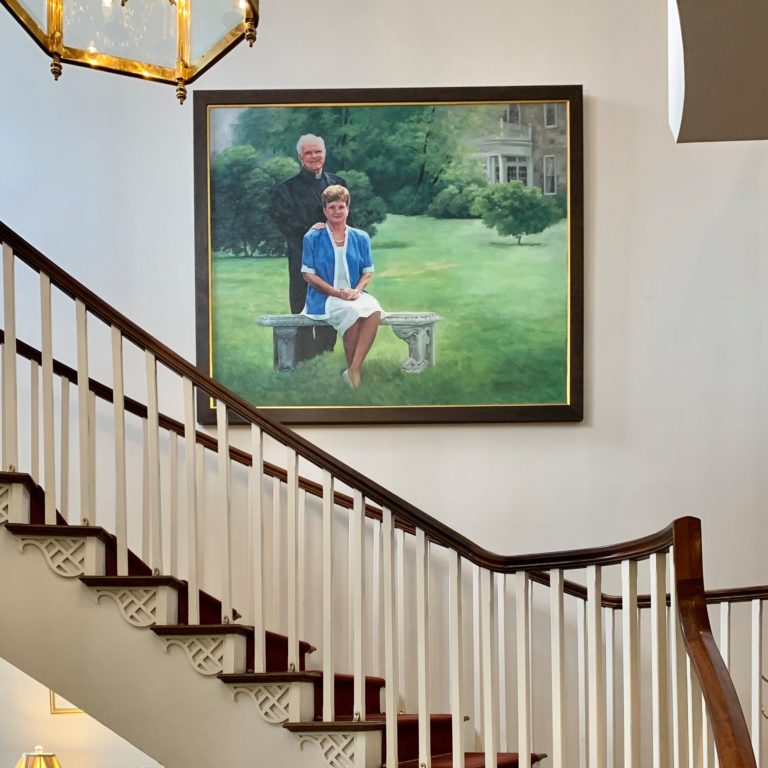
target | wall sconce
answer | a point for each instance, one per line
(38, 759)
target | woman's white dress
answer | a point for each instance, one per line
(342, 314)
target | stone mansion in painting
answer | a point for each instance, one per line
(531, 147)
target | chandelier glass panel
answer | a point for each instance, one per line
(172, 41)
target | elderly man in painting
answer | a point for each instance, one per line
(295, 207)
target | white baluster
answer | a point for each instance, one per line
(356, 589)
(582, 670)
(558, 668)
(400, 576)
(391, 695)
(277, 556)
(756, 669)
(93, 471)
(49, 439)
(695, 755)
(376, 599)
(256, 551)
(328, 593)
(351, 575)
(153, 465)
(291, 563)
(631, 663)
(477, 658)
(422, 646)
(725, 633)
(501, 600)
(679, 678)
(489, 666)
(83, 412)
(596, 686)
(202, 506)
(456, 656)
(610, 684)
(121, 503)
(146, 526)
(64, 452)
(225, 508)
(660, 702)
(191, 502)
(523, 620)
(725, 647)
(301, 561)
(10, 417)
(34, 420)
(707, 743)
(173, 502)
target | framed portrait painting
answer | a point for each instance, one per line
(392, 255)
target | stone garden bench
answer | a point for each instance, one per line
(416, 329)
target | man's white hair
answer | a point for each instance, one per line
(306, 138)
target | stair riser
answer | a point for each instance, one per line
(441, 740)
(343, 698)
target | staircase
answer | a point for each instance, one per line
(293, 699)
(347, 618)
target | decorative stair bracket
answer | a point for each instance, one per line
(210, 653)
(67, 555)
(143, 606)
(347, 747)
(280, 703)
(282, 697)
(14, 503)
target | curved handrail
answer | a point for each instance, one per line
(734, 747)
(726, 716)
(435, 530)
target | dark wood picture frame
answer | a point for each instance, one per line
(517, 133)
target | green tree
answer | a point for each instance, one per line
(405, 150)
(367, 209)
(241, 193)
(514, 209)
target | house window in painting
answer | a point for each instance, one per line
(513, 114)
(550, 115)
(517, 168)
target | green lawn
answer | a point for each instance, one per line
(502, 340)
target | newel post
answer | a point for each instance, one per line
(725, 714)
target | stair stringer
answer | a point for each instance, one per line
(55, 631)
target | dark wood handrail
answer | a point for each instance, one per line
(732, 739)
(727, 719)
(405, 512)
(134, 407)
(571, 588)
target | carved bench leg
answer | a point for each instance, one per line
(284, 348)
(421, 346)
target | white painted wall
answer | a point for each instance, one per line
(78, 740)
(125, 677)
(97, 172)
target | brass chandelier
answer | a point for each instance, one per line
(170, 41)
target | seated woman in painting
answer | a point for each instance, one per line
(336, 263)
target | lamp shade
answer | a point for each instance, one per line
(38, 759)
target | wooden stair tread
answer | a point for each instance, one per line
(474, 760)
(60, 531)
(312, 726)
(256, 678)
(133, 582)
(202, 629)
(307, 676)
